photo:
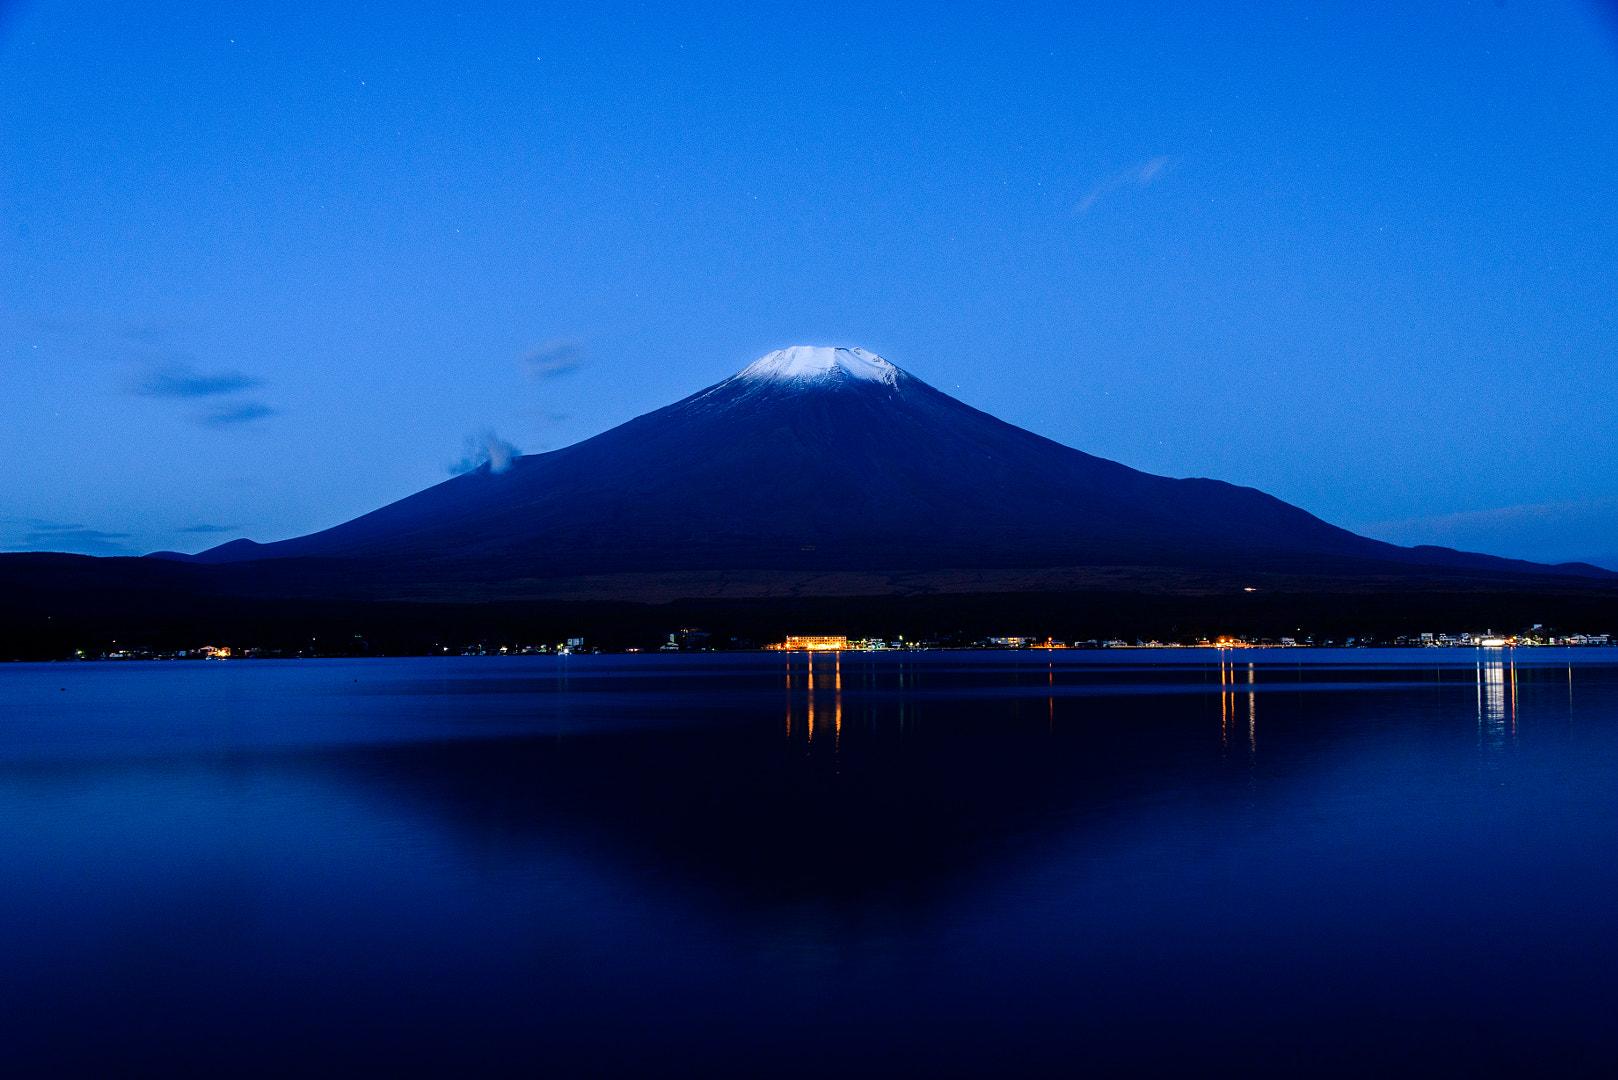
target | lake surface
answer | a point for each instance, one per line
(1279, 861)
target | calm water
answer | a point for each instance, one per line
(947, 863)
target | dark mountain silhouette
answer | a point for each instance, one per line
(821, 460)
(819, 490)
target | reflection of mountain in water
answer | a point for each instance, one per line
(981, 866)
(859, 787)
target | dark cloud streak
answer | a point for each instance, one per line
(236, 415)
(185, 381)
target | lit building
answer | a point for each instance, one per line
(814, 643)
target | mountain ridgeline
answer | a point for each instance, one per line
(821, 463)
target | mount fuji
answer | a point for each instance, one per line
(827, 470)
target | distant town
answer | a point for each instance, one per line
(687, 640)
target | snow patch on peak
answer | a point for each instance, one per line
(818, 362)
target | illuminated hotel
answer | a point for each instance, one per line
(814, 643)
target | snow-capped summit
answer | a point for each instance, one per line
(817, 362)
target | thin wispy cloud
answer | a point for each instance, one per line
(1138, 175)
(149, 333)
(155, 341)
(486, 449)
(59, 325)
(553, 359)
(236, 415)
(1546, 531)
(181, 380)
(1553, 513)
(41, 535)
(206, 528)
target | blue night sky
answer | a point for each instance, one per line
(264, 269)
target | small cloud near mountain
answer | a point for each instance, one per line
(206, 528)
(486, 449)
(553, 359)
